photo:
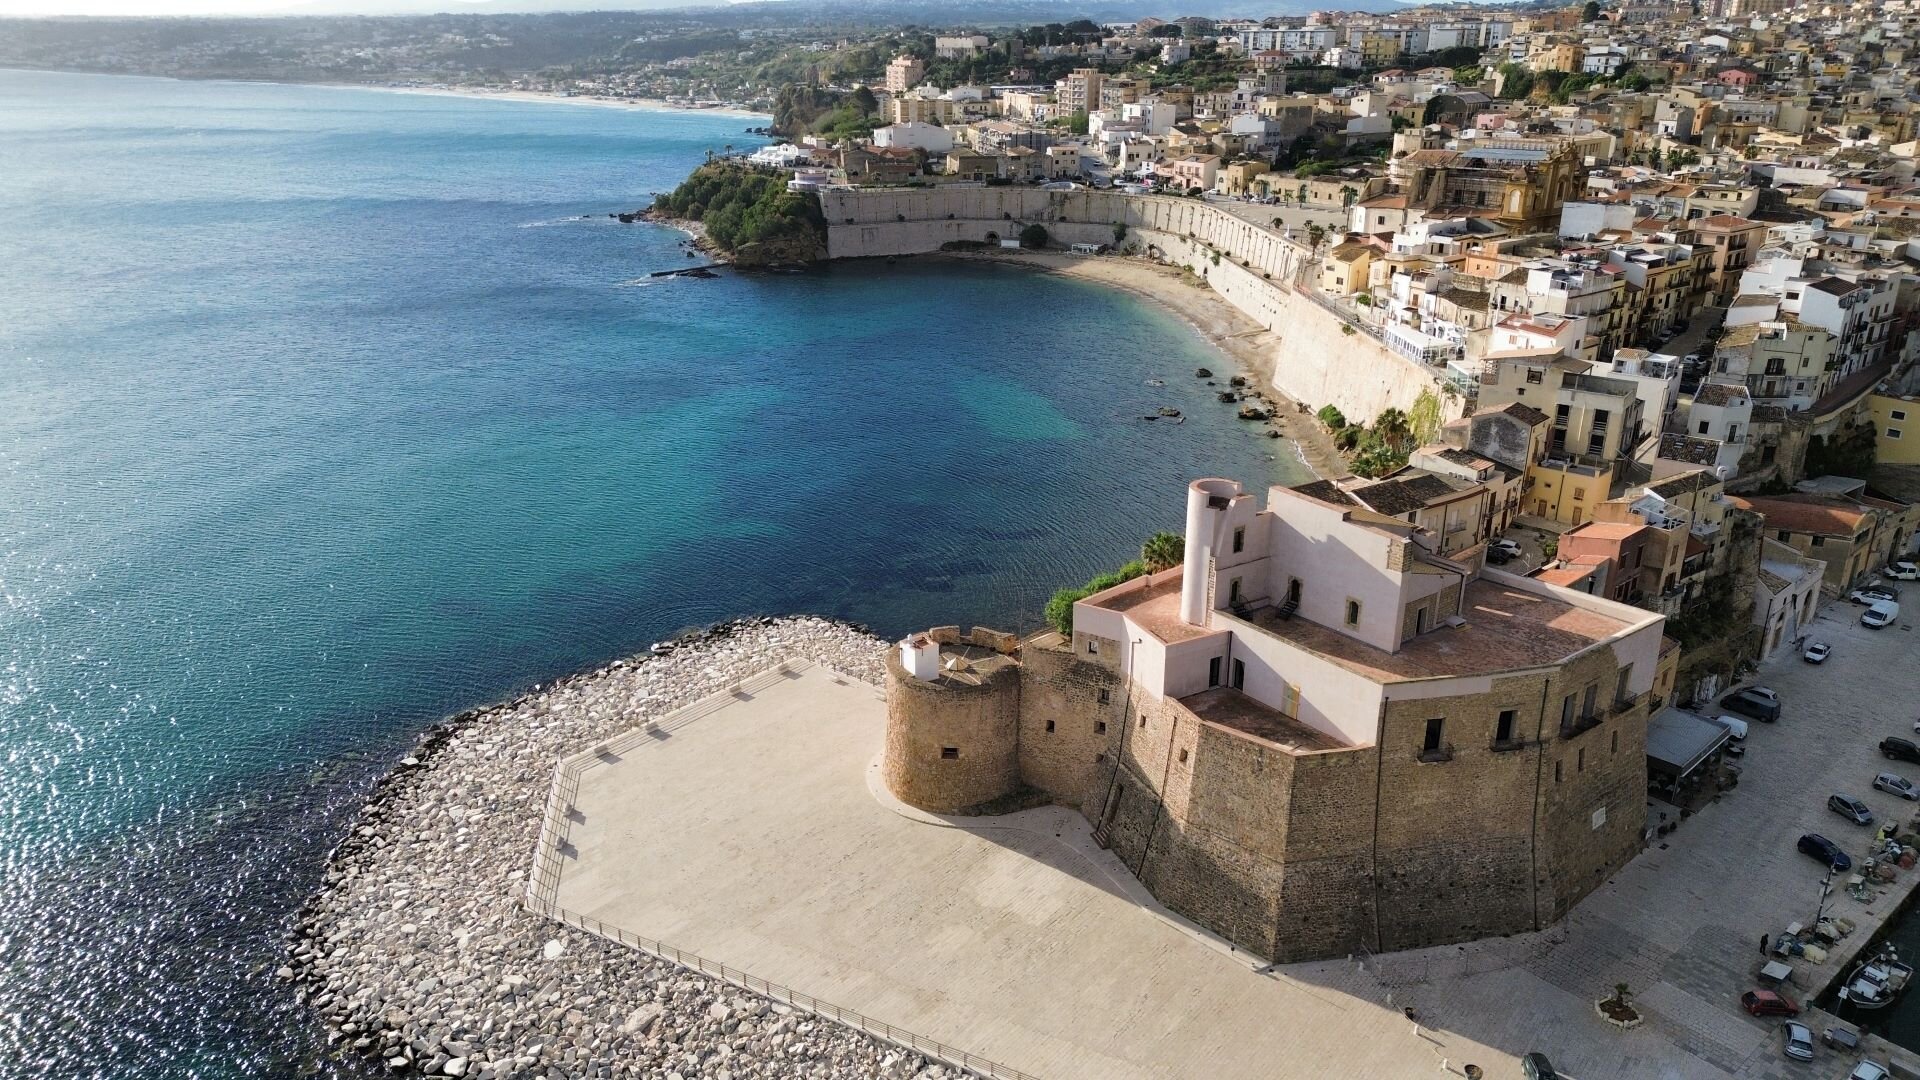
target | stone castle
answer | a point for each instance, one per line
(1315, 736)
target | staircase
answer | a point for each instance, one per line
(1287, 609)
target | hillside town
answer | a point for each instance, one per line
(1665, 263)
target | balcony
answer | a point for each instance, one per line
(1438, 754)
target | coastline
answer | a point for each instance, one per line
(419, 953)
(1249, 345)
(543, 97)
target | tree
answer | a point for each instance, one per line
(1034, 236)
(1163, 551)
(1077, 123)
(1316, 232)
(1119, 232)
(1591, 12)
(865, 100)
(1468, 74)
(1392, 428)
(1423, 419)
(1347, 195)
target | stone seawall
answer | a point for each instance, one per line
(1255, 269)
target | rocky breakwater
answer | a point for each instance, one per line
(418, 954)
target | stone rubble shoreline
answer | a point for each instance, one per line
(417, 952)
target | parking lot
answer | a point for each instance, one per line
(1681, 925)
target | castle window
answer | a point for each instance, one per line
(1353, 612)
(1616, 742)
(1233, 592)
(1503, 728)
(1106, 696)
(1099, 727)
(1049, 725)
(1430, 742)
(1580, 760)
(950, 753)
(1556, 772)
(1183, 757)
(1239, 539)
(1092, 646)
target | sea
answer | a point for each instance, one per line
(326, 413)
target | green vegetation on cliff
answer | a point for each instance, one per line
(749, 213)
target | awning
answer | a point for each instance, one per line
(1679, 742)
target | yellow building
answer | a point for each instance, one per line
(1896, 429)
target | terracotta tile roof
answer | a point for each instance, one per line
(1692, 480)
(1687, 448)
(1325, 491)
(1813, 516)
(1526, 414)
(1725, 221)
(1719, 394)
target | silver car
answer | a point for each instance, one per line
(1895, 784)
(1799, 1045)
(1850, 808)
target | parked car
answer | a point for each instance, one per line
(1506, 547)
(1850, 808)
(1826, 851)
(1535, 1066)
(1768, 1003)
(1757, 702)
(1873, 593)
(1868, 1070)
(1817, 652)
(1799, 1041)
(1895, 784)
(1736, 727)
(1902, 571)
(1498, 557)
(1881, 613)
(1900, 750)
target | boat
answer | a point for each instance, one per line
(1877, 981)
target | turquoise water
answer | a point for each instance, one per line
(323, 414)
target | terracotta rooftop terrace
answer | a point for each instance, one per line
(1507, 629)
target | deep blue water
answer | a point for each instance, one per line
(322, 416)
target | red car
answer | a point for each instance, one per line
(1768, 1003)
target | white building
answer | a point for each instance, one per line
(914, 136)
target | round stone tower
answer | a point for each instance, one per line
(953, 710)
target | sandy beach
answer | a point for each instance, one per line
(1250, 345)
(545, 97)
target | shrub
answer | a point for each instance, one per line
(1059, 610)
(1331, 417)
(1034, 236)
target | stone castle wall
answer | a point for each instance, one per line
(978, 723)
(1305, 855)
(1254, 269)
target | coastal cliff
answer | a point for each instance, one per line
(746, 215)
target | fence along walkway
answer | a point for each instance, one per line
(542, 896)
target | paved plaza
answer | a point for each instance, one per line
(751, 830)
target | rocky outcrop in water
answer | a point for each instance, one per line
(418, 953)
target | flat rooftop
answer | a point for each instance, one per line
(1507, 628)
(1156, 609)
(1236, 711)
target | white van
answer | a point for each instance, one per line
(1734, 725)
(1879, 613)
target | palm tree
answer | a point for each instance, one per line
(1163, 551)
(1392, 427)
